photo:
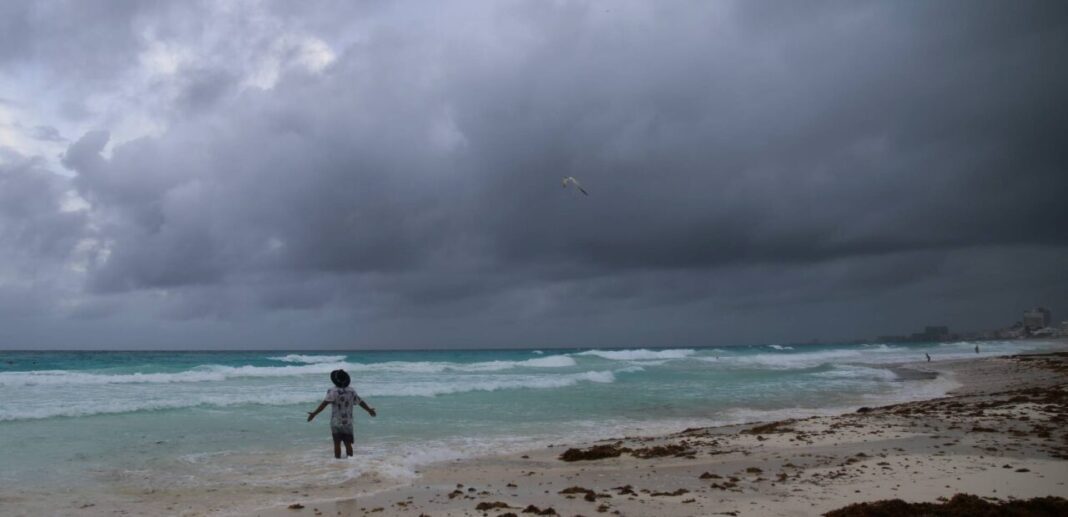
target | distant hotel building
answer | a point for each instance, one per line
(938, 332)
(1037, 318)
(930, 333)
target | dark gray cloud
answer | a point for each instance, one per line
(33, 223)
(389, 174)
(39, 241)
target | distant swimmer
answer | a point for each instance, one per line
(977, 349)
(570, 180)
(928, 356)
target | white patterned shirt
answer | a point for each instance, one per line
(342, 400)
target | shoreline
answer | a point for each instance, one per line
(743, 468)
(523, 471)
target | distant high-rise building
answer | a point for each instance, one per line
(936, 331)
(931, 333)
(1037, 318)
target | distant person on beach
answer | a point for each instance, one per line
(341, 398)
(977, 349)
(928, 356)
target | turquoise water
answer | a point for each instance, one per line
(212, 418)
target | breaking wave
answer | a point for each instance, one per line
(217, 373)
(640, 354)
(308, 359)
(180, 400)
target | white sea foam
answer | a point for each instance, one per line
(126, 405)
(781, 347)
(205, 373)
(172, 399)
(640, 354)
(403, 461)
(552, 361)
(857, 372)
(796, 360)
(787, 361)
(433, 389)
(308, 359)
(915, 390)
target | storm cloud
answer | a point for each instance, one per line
(385, 174)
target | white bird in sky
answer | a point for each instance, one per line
(572, 181)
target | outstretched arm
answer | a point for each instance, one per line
(370, 410)
(318, 410)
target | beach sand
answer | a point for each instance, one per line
(999, 435)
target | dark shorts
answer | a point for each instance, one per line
(342, 436)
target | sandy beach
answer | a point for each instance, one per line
(999, 436)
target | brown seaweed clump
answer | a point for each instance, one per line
(593, 453)
(491, 506)
(588, 494)
(538, 511)
(598, 452)
(770, 428)
(961, 505)
(659, 451)
(680, 491)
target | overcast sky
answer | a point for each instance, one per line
(386, 174)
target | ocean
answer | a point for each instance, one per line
(127, 421)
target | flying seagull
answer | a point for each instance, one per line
(570, 180)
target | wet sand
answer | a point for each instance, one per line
(1000, 435)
